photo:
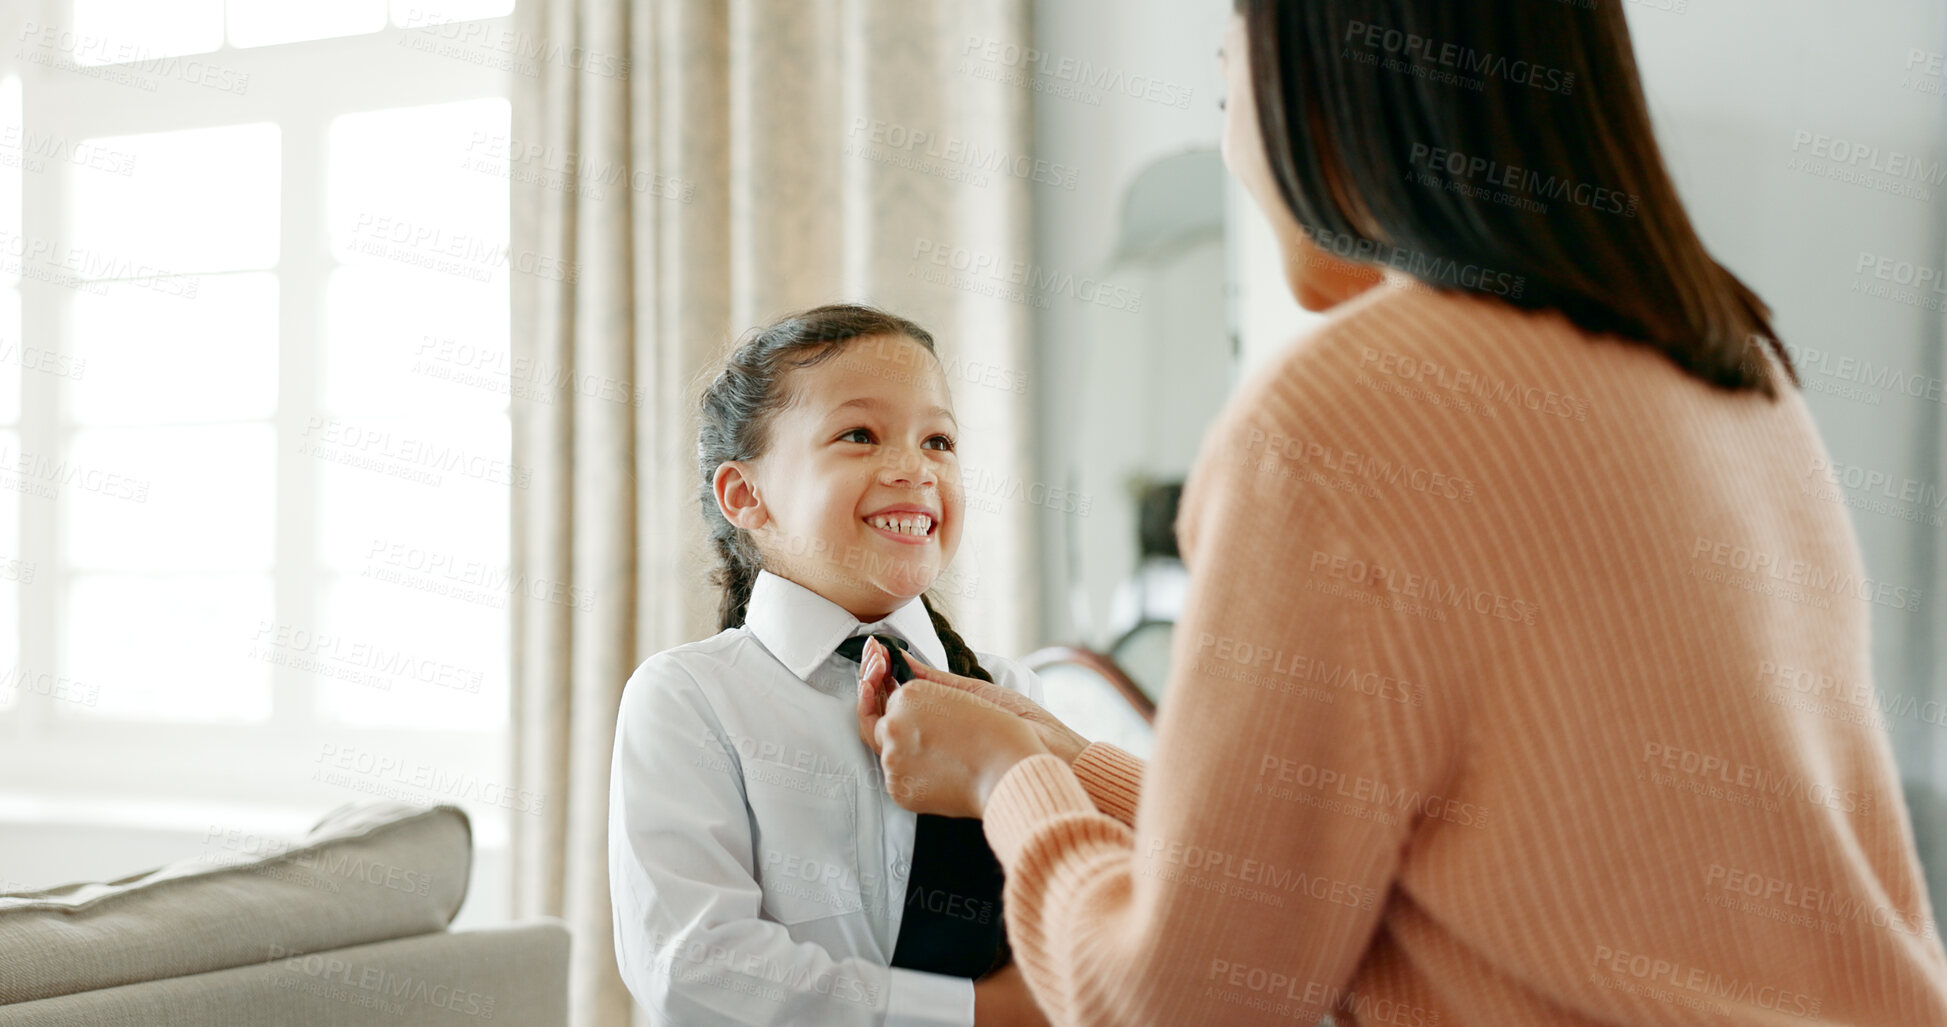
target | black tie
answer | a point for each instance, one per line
(953, 921)
(854, 649)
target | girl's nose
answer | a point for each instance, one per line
(906, 466)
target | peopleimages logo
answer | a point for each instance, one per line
(1423, 266)
(1770, 566)
(1625, 967)
(1427, 588)
(1516, 179)
(1879, 483)
(1275, 663)
(1926, 72)
(1822, 901)
(1872, 379)
(1009, 278)
(1865, 165)
(1717, 769)
(1416, 51)
(1486, 387)
(910, 144)
(1892, 163)
(1368, 791)
(1081, 74)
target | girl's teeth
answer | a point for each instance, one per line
(904, 525)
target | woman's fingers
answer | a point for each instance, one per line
(940, 677)
(1012, 702)
(1060, 739)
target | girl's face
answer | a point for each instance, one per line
(857, 496)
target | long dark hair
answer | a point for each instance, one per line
(737, 409)
(1474, 145)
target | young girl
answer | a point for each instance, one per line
(759, 871)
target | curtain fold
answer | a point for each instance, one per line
(724, 162)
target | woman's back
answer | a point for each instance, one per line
(1606, 668)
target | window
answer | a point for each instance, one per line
(15, 568)
(253, 405)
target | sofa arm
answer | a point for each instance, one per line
(367, 873)
(515, 974)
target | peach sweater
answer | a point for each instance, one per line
(1524, 680)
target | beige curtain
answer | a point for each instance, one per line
(697, 167)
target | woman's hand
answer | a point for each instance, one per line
(943, 746)
(1001, 998)
(1057, 736)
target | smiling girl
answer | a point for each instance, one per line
(759, 870)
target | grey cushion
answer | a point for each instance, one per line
(515, 975)
(368, 872)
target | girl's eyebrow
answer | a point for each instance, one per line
(872, 403)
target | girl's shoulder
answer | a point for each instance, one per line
(694, 666)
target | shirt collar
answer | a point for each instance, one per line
(801, 628)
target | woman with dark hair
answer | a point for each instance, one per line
(1490, 699)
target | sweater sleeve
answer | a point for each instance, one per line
(1112, 778)
(1263, 850)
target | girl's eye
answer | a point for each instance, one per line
(945, 442)
(864, 435)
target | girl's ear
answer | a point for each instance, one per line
(737, 497)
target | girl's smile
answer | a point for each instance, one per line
(910, 525)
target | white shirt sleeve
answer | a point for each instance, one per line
(920, 999)
(1009, 674)
(688, 938)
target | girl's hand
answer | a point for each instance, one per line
(943, 748)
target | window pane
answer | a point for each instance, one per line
(205, 199)
(405, 342)
(9, 496)
(12, 668)
(172, 498)
(150, 357)
(399, 195)
(266, 22)
(411, 13)
(397, 658)
(15, 355)
(13, 153)
(179, 647)
(422, 505)
(15, 569)
(116, 31)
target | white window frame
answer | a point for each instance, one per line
(46, 759)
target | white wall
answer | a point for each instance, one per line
(1268, 316)
(1171, 42)
(1142, 411)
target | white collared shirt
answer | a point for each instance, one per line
(757, 865)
